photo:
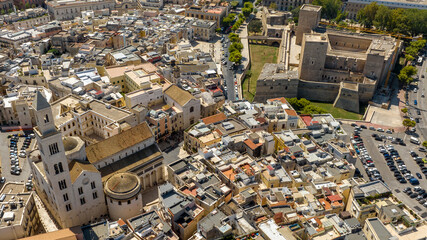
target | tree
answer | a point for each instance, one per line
(234, 37)
(236, 46)
(425, 144)
(295, 14)
(298, 104)
(408, 123)
(235, 57)
(234, 4)
(226, 22)
(255, 26)
(235, 27)
(27, 5)
(367, 14)
(246, 11)
(382, 17)
(248, 5)
(404, 110)
(330, 8)
(341, 16)
(218, 30)
(273, 6)
(406, 74)
(54, 51)
(311, 109)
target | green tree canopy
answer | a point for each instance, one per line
(366, 15)
(255, 26)
(234, 37)
(236, 46)
(404, 110)
(235, 57)
(246, 11)
(330, 8)
(382, 17)
(234, 4)
(311, 109)
(226, 22)
(408, 123)
(425, 144)
(295, 14)
(406, 74)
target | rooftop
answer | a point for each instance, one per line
(117, 143)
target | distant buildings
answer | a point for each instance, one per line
(68, 10)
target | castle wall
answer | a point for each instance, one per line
(374, 66)
(318, 91)
(349, 43)
(345, 63)
(313, 56)
(366, 92)
(266, 89)
(348, 97)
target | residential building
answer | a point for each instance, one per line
(123, 57)
(213, 225)
(10, 39)
(164, 121)
(207, 13)
(151, 224)
(15, 105)
(6, 5)
(20, 217)
(374, 229)
(182, 212)
(204, 30)
(360, 206)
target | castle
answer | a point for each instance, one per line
(333, 66)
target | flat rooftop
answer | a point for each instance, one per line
(13, 194)
(73, 102)
(313, 8)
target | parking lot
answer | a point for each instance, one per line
(380, 169)
(5, 155)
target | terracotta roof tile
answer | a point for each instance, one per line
(118, 142)
(291, 112)
(281, 99)
(251, 144)
(76, 168)
(214, 118)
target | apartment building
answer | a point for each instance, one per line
(354, 6)
(69, 9)
(19, 213)
(204, 30)
(374, 229)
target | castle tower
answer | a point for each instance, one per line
(52, 153)
(309, 18)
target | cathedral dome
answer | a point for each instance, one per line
(123, 186)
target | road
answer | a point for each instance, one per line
(422, 104)
(5, 159)
(228, 74)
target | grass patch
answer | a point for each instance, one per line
(260, 55)
(339, 112)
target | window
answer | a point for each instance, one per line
(55, 167)
(82, 201)
(53, 148)
(92, 184)
(68, 207)
(65, 197)
(192, 109)
(80, 190)
(62, 184)
(128, 202)
(95, 195)
(120, 203)
(60, 167)
(46, 119)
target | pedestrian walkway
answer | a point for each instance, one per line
(45, 218)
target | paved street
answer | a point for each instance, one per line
(5, 159)
(422, 104)
(372, 147)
